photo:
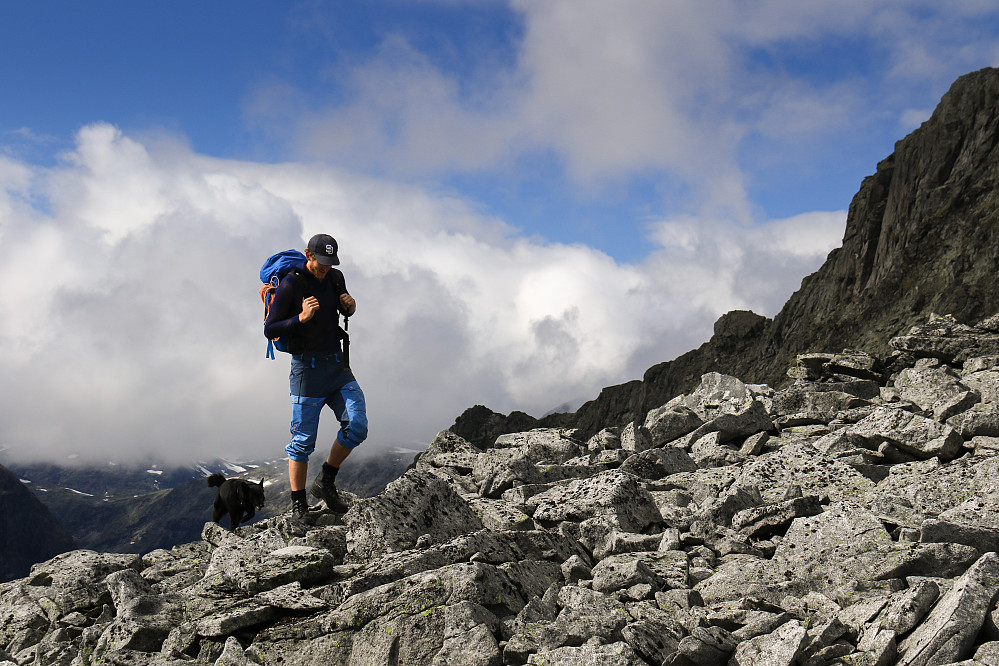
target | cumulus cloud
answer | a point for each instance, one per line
(615, 90)
(134, 327)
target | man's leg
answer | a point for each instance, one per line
(348, 403)
(304, 427)
(324, 487)
(298, 472)
(303, 381)
(338, 453)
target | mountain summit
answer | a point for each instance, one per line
(922, 237)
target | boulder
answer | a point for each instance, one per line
(613, 494)
(414, 505)
(948, 633)
(918, 435)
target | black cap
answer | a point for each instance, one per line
(324, 247)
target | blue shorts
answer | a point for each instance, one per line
(318, 381)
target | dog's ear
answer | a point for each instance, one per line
(261, 484)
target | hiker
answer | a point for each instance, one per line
(305, 313)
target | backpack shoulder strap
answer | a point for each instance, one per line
(301, 282)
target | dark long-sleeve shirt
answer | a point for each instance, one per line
(321, 333)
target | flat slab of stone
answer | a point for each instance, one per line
(414, 505)
(804, 466)
(948, 633)
(613, 494)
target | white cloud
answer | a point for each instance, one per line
(722, 265)
(136, 328)
(615, 90)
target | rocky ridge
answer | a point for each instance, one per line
(922, 236)
(849, 518)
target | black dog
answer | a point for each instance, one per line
(239, 498)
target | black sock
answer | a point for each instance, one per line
(329, 471)
(298, 496)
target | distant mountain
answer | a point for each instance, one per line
(137, 509)
(115, 480)
(29, 532)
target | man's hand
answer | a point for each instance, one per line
(309, 307)
(348, 304)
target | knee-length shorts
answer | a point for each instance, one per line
(318, 381)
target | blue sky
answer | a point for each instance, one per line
(536, 199)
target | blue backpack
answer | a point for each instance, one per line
(276, 267)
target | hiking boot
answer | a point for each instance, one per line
(325, 489)
(300, 512)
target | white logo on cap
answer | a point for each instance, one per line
(329, 249)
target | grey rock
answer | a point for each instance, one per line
(291, 597)
(307, 565)
(75, 580)
(931, 488)
(499, 514)
(587, 613)
(606, 439)
(754, 444)
(948, 341)
(613, 494)
(709, 451)
(708, 645)
(912, 433)
(855, 363)
(955, 404)
(449, 450)
(983, 539)
(659, 463)
(540, 548)
(542, 447)
(623, 571)
(907, 609)
(763, 521)
(614, 654)
(469, 637)
(746, 419)
(927, 387)
(985, 383)
(980, 419)
(780, 648)
(413, 505)
(651, 640)
(667, 423)
(827, 551)
(575, 569)
(949, 631)
(744, 575)
(802, 397)
(233, 654)
(877, 647)
(802, 465)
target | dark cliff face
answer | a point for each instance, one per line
(28, 532)
(922, 237)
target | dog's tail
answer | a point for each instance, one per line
(216, 479)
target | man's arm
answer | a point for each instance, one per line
(284, 318)
(347, 304)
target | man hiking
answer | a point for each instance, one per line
(306, 313)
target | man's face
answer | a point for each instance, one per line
(316, 268)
